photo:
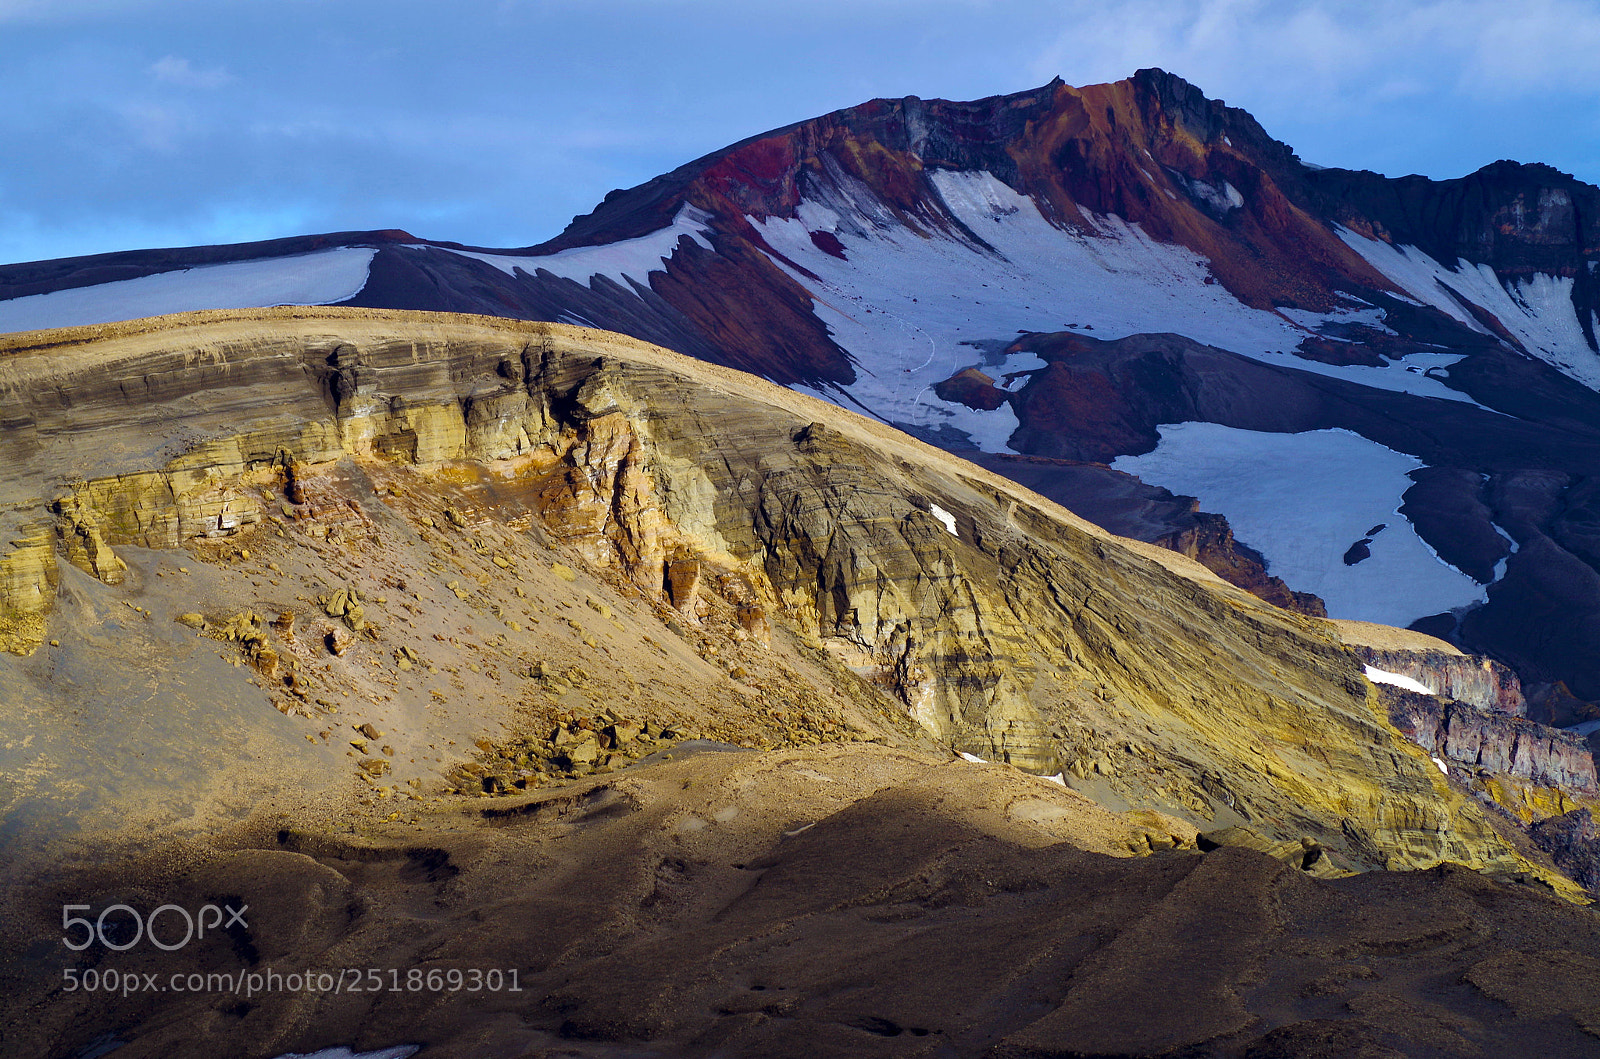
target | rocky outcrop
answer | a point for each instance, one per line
(1003, 626)
(1497, 742)
(28, 579)
(1481, 683)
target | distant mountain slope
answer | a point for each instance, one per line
(1060, 272)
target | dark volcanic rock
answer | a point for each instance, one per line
(1494, 741)
(1446, 507)
(1573, 842)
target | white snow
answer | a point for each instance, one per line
(944, 516)
(1223, 199)
(1500, 567)
(972, 758)
(1302, 500)
(1442, 766)
(319, 278)
(620, 261)
(1399, 680)
(1538, 310)
(1367, 315)
(1059, 779)
(903, 302)
(1586, 728)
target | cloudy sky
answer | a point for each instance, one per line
(135, 123)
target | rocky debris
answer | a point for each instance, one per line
(1573, 843)
(337, 642)
(192, 619)
(1498, 742)
(249, 630)
(573, 748)
(345, 603)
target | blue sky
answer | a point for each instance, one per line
(136, 123)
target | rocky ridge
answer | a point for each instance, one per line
(1018, 633)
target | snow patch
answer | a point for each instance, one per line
(1223, 198)
(319, 278)
(1060, 779)
(1442, 766)
(620, 261)
(1399, 680)
(1365, 316)
(1302, 500)
(944, 516)
(1537, 310)
(972, 758)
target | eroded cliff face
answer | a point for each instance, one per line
(1481, 683)
(1004, 626)
(1494, 742)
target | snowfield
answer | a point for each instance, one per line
(914, 309)
(1538, 310)
(1302, 500)
(319, 278)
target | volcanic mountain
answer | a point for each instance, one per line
(1124, 296)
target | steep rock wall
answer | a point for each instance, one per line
(1481, 683)
(1494, 741)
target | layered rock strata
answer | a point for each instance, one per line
(1004, 626)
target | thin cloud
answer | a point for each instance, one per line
(174, 70)
(1333, 54)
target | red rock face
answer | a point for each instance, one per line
(972, 388)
